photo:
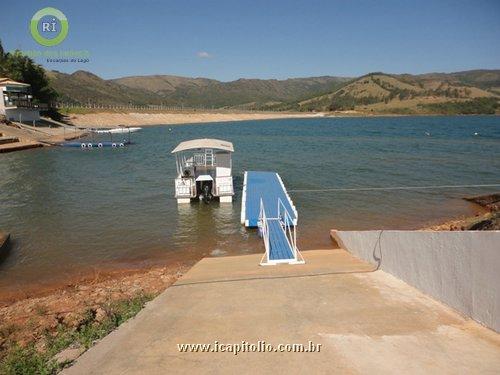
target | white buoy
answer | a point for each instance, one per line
(476, 133)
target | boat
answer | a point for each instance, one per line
(123, 130)
(204, 170)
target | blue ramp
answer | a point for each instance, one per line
(279, 246)
(269, 187)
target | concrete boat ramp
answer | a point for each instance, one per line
(363, 321)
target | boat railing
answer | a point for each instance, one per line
(200, 159)
(224, 190)
(264, 229)
(193, 163)
(224, 186)
(287, 223)
(184, 187)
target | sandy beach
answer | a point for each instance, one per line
(109, 119)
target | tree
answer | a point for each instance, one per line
(2, 58)
(21, 68)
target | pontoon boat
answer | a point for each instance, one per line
(204, 170)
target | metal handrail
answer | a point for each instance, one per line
(264, 227)
(290, 230)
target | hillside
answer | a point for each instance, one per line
(164, 85)
(84, 87)
(485, 79)
(475, 91)
(428, 93)
(242, 92)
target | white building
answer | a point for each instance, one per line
(16, 102)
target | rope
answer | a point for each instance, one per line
(393, 188)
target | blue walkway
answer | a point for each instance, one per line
(268, 186)
(279, 247)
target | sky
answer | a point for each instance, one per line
(227, 40)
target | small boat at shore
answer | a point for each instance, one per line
(123, 130)
(204, 170)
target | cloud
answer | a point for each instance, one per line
(204, 55)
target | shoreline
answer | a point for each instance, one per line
(103, 118)
(131, 270)
(75, 124)
(30, 291)
(29, 319)
(26, 137)
(487, 216)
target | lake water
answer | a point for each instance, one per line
(73, 211)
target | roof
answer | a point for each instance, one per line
(8, 81)
(204, 143)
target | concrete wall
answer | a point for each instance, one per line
(22, 114)
(461, 269)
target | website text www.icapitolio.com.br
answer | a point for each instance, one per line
(246, 347)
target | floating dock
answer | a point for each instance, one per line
(269, 187)
(267, 205)
(82, 144)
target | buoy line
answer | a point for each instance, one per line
(392, 188)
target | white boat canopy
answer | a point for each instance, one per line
(204, 143)
(204, 177)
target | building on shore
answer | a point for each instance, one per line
(16, 102)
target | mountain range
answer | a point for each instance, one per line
(474, 91)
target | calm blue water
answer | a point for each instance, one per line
(71, 211)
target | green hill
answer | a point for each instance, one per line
(251, 93)
(84, 87)
(475, 91)
(428, 93)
